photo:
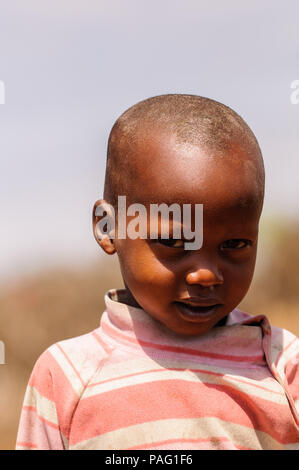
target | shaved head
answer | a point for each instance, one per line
(191, 121)
(183, 151)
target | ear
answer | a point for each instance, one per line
(103, 223)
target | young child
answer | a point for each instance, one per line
(174, 364)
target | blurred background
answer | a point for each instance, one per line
(70, 68)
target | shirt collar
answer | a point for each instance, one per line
(241, 337)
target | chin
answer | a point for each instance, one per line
(189, 330)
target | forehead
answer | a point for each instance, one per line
(163, 170)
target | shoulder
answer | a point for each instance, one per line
(57, 382)
(283, 343)
(73, 360)
(285, 346)
(285, 356)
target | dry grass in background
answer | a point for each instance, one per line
(51, 306)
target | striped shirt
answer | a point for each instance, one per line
(134, 384)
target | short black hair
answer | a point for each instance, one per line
(194, 120)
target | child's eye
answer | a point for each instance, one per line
(235, 244)
(171, 242)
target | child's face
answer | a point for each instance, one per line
(192, 291)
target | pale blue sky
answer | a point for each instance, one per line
(71, 67)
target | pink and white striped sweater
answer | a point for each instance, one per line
(133, 384)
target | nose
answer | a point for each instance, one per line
(205, 277)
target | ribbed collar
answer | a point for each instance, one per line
(240, 340)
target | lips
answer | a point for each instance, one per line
(198, 309)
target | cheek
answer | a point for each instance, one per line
(140, 267)
(238, 278)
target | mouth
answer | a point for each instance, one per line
(197, 311)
